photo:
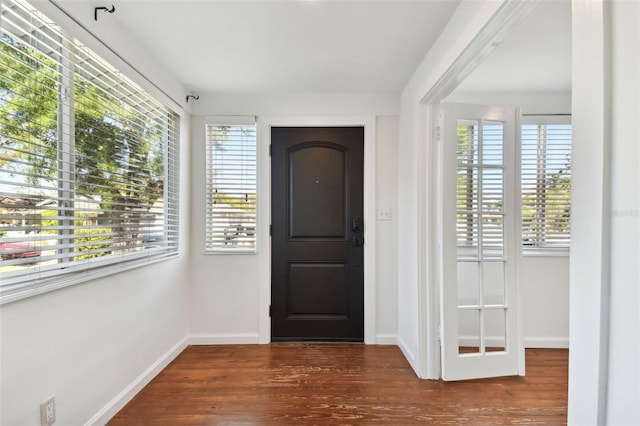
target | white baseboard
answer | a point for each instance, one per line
(252, 339)
(386, 339)
(411, 358)
(117, 403)
(224, 339)
(547, 342)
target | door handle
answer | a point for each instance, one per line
(356, 225)
(357, 240)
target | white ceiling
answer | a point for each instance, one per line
(535, 57)
(334, 46)
(294, 46)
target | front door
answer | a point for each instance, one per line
(317, 270)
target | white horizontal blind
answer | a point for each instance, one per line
(231, 188)
(480, 189)
(88, 159)
(546, 182)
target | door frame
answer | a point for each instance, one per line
(430, 169)
(264, 124)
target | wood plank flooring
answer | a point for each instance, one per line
(339, 384)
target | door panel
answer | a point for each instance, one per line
(317, 183)
(317, 283)
(317, 290)
(481, 249)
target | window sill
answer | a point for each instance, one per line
(545, 252)
(230, 251)
(20, 292)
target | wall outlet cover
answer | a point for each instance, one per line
(48, 411)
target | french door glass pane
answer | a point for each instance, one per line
(495, 327)
(493, 283)
(468, 331)
(492, 143)
(468, 284)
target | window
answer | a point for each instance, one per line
(546, 182)
(231, 187)
(480, 189)
(88, 161)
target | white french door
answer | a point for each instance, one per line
(480, 242)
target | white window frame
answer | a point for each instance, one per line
(543, 119)
(232, 238)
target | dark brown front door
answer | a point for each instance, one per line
(317, 278)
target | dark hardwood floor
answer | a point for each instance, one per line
(339, 384)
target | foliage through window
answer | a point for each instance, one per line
(231, 187)
(88, 160)
(546, 182)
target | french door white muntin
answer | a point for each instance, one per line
(480, 333)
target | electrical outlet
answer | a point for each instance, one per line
(48, 411)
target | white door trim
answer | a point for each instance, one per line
(590, 260)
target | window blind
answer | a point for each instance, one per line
(231, 187)
(480, 189)
(88, 159)
(546, 182)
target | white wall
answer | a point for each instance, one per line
(387, 132)
(624, 336)
(544, 284)
(228, 302)
(87, 343)
(530, 102)
(94, 344)
(604, 355)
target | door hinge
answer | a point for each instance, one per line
(270, 311)
(436, 133)
(270, 230)
(270, 149)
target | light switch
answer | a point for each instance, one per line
(384, 214)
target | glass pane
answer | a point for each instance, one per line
(492, 236)
(467, 233)
(467, 189)
(231, 187)
(467, 203)
(492, 190)
(492, 143)
(468, 331)
(28, 144)
(493, 283)
(468, 141)
(495, 330)
(468, 283)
